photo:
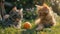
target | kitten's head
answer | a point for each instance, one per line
(42, 10)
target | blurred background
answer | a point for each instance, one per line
(29, 14)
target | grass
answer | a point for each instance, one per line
(53, 30)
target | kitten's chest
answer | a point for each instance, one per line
(46, 19)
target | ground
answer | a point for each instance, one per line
(53, 30)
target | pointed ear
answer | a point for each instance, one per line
(21, 9)
(39, 7)
(45, 5)
(14, 8)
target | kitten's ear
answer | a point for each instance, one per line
(45, 5)
(21, 9)
(14, 8)
(38, 7)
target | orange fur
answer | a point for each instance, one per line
(45, 15)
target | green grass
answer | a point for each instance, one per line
(53, 30)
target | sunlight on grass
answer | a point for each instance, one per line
(53, 30)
